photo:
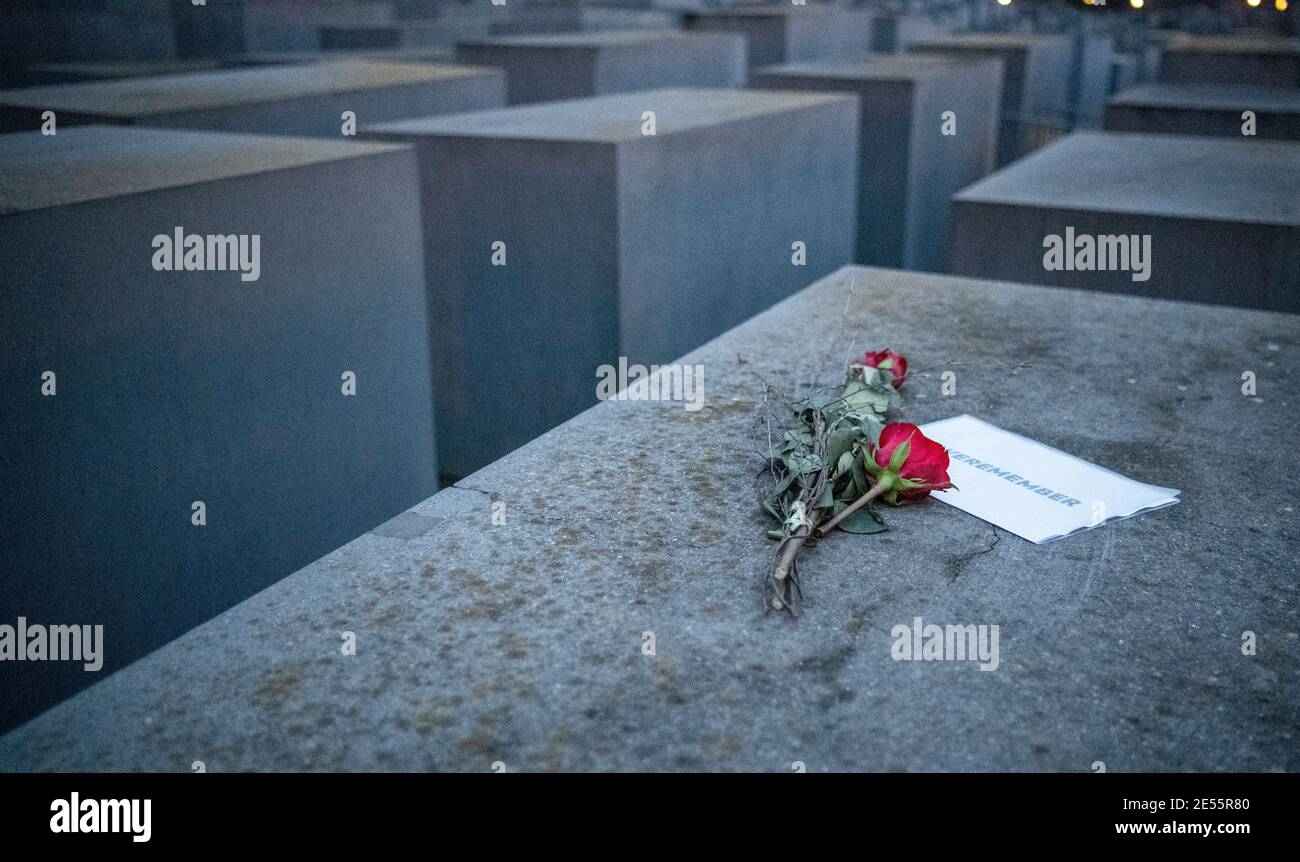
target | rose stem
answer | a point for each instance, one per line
(791, 551)
(876, 491)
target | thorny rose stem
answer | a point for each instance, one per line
(792, 547)
(876, 490)
(797, 539)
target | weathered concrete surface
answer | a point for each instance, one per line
(1206, 109)
(787, 33)
(173, 387)
(285, 100)
(1253, 60)
(616, 243)
(554, 66)
(908, 169)
(1223, 216)
(523, 643)
(1035, 85)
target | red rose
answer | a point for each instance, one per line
(888, 360)
(922, 468)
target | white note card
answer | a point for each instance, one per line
(1037, 492)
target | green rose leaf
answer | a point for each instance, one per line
(840, 442)
(870, 428)
(862, 522)
(869, 400)
(802, 463)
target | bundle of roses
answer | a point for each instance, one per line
(838, 458)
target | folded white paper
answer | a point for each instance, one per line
(1037, 492)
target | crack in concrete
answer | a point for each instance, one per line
(491, 495)
(962, 560)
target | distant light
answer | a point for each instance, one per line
(1280, 5)
(1252, 3)
(1137, 4)
(1008, 2)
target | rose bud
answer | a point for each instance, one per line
(908, 464)
(887, 360)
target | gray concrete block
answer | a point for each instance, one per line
(1206, 109)
(295, 25)
(438, 54)
(789, 34)
(908, 169)
(37, 31)
(893, 31)
(182, 386)
(1231, 60)
(360, 37)
(223, 27)
(1125, 72)
(285, 100)
(436, 32)
(1090, 79)
(572, 18)
(1035, 84)
(213, 29)
(617, 243)
(522, 642)
(1221, 216)
(73, 73)
(550, 67)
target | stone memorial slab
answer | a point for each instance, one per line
(1035, 84)
(1125, 72)
(361, 37)
(1256, 60)
(218, 28)
(295, 25)
(1091, 70)
(285, 100)
(1174, 216)
(555, 66)
(566, 238)
(1207, 109)
(143, 376)
(435, 32)
(38, 31)
(572, 18)
(894, 31)
(437, 54)
(789, 34)
(614, 620)
(911, 160)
